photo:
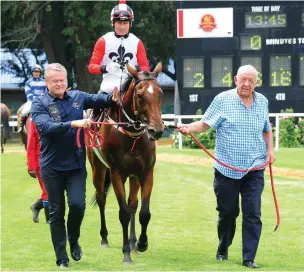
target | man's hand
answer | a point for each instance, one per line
(32, 173)
(112, 67)
(83, 123)
(183, 129)
(270, 156)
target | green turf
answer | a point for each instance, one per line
(182, 231)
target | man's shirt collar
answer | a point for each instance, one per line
(54, 98)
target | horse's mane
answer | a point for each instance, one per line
(126, 84)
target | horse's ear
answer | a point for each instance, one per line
(158, 69)
(131, 70)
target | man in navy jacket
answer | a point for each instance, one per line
(57, 114)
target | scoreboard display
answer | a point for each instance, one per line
(280, 71)
(210, 49)
(265, 20)
(193, 72)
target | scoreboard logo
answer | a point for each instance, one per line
(207, 23)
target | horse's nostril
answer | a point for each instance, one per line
(155, 133)
(159, 134)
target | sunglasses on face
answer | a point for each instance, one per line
(122, 13)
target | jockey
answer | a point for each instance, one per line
(35, 86)
(115, 49)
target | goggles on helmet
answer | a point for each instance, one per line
(122, 15)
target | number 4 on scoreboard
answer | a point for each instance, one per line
(227, 79)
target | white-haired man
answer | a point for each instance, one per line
(243, 140)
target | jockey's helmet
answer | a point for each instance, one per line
(37, 68)
(122, 12)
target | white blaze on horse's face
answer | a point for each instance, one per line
(150, 89)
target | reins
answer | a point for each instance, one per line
(245, 171)
(93, 137)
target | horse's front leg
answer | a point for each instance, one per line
(101, 181)
(133, 204)
(101, 200)
(145, 215)
(124, 212)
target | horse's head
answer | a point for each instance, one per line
(147, 99)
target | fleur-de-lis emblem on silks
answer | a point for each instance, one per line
(121, 56)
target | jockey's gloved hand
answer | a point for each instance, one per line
(112, 67)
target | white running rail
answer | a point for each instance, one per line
(178, 120)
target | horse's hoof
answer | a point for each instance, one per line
(127, 261)
(104, 245)
(141, 247)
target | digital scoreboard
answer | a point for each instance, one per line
(265, 20)
(211, 47)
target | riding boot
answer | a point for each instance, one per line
(22, 123)
(47, 214)
(36, 207)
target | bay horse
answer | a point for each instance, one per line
(5, 129)
(130, 153)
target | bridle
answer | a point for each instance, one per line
(94, 138)
(136, 124)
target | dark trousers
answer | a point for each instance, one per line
(74, 183)
(227, 191)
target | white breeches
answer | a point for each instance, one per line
(110, 82)
(26, 108)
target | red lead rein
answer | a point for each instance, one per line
(92, 134)
(89, 139)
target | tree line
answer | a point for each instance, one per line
(66, 32)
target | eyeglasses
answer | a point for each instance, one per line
(122, 13)
(36, 71)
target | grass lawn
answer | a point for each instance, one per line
(182, 231)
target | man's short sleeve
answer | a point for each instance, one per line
(267, 122)
(213, 116)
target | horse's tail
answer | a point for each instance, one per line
(107, 186)
(5, 129)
